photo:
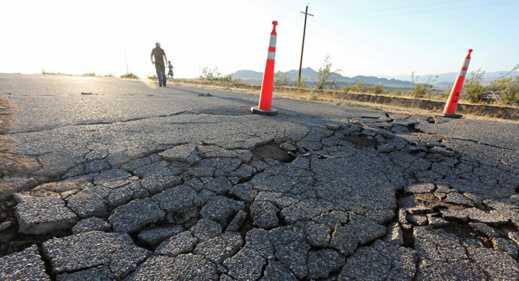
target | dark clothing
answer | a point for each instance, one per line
(158, 53)
(161, 73)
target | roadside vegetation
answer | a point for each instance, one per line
(326, 78)
(57, 73)
(358, 87)
(87, 74)
(503, 91)
(130, 76)
(421, 90)
(213, 74)
(301, 83)
(281, 79)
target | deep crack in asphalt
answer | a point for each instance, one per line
(370, 198)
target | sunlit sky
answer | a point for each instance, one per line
(372, 37)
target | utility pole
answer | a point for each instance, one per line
(303, 46)
(126, 60)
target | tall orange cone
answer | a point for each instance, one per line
(265, 101)
(452, 102)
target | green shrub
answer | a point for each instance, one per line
(130, 76)
(505, 90)
(377, 89)
(326, 78)
(212, 74)
(357, 87)
(422, 89)
(474, 91)
(301, 83)
(229, 79)
(281, 79)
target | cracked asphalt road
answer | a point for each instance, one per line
(134, 182)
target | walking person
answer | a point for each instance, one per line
(170, 72)
(160, 59)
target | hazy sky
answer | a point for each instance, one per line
(372, 37)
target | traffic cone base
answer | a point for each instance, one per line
(453, 116)
(271, 112)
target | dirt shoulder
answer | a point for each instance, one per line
(6, 110)
(391, 103)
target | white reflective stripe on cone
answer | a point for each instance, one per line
(271, 56)
(273, 39)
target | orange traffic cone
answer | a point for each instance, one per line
(43, 72)
(452, 102)
(265, 101)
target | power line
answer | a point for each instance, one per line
(398, 8)
(435, 10)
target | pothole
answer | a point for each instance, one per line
(408, 238)
(360, 141)
(412, 128)
(407, 228)
(429, 200)
(272, 151)
(465, 231)
(16, 242)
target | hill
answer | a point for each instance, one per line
(447, 78)
(441, 81)
(311, 75)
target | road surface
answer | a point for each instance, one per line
(118, 179)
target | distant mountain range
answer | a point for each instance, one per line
(444, 79)
(311, 75)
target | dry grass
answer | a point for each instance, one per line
(338, 98)
(6, 109)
